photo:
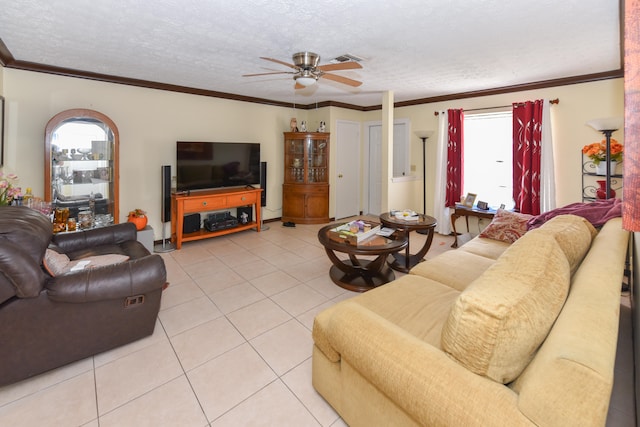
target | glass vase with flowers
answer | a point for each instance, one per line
(597, 153)
(8, 189)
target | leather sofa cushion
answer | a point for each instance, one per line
(497, 324)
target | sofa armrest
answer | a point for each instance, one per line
(114, 281)
(19, 268)
(111, 235)
(419, 378)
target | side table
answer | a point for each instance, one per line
(460, 210)
(405, 262)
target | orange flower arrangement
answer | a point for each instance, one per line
(597, 151)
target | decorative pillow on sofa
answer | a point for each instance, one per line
(56, 263)
(506, 226)
(497, 324)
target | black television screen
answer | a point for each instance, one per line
(203, 165)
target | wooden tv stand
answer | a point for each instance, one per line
(213, 200)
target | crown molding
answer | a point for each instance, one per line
(8, 61)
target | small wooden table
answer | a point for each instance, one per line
(461, 210)
(356, 274)
(405, 262)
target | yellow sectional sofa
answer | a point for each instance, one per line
(491, 334)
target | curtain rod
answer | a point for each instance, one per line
(551, 101)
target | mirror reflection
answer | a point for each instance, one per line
(81, 156)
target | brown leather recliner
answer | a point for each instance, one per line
(47, 322)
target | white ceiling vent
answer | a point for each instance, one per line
(346, 58)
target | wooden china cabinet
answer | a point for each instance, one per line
(305, 198)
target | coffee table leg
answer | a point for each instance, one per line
(405, 262)
(359, 275)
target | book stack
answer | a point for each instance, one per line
(357, 231)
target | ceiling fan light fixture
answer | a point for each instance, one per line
(305, 80)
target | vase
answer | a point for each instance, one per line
(601, 192)
(601, 168)
(139, 221)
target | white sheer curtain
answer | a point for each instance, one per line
(547, 174)
(441, 213)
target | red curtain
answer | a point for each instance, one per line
(455, 164)
(527, 137)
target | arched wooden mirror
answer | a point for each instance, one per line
(81, 164)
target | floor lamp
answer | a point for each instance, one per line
(607, 127)
(424, 135)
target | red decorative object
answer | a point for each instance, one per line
(139, 221)
(601, 193)
(527, 139)
(455, 150)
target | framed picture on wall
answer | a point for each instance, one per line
(469, 199)
(1, 130)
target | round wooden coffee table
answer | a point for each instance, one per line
(356, 274)
(405, 262)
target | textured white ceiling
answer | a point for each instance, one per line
(415, 48)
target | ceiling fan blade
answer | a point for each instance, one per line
(341, 79)
(350, 65)
(277, 61)
(266, 74)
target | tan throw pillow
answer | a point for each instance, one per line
(506, 226)
(57, 264)
(497, 324)
(54, 262)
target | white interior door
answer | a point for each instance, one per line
(374, 182)
(347, 169)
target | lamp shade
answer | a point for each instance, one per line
(423, 134)
(305, 81)
(610, 123)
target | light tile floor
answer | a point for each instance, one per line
(231, 347)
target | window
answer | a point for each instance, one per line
(488, 157)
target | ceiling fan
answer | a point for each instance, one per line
(307, 71)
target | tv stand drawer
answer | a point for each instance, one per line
(241, 199)
(204, 203)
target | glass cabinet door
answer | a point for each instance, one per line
(317, 160)
(81, 150)
(306, 158)
(294, 160)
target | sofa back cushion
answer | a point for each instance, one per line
(497, 324)
(574, 234)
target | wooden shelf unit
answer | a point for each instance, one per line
(211, 200)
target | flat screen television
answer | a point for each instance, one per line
(206, 165)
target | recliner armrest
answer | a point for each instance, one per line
(111, 235)
(21, 271)
(109, 282)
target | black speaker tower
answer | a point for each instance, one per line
(263, 194)
(263, 183)
(166, 208)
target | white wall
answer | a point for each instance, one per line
(150, 121)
